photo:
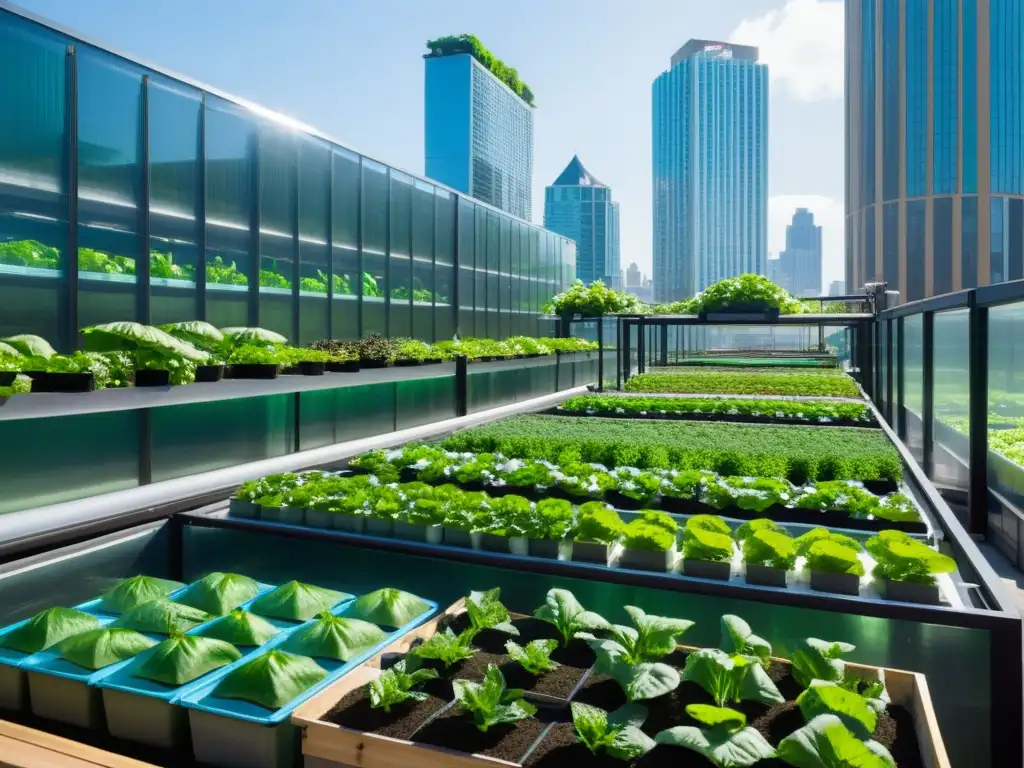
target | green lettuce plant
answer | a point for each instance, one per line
(447, 647)
(182, 658)
(101, 647)
(334, 637)
(816, 659)
(48, 628)
(750, 527)
(649, 639)
(725, 740)
(490, 702)
(271, 679)
(902, 558)
(295, 601)
(562, 610)
(616, 734)
(554, 519)
(29, 345)
(826, 698)
(534, 657)
(739, 638)
(135, 591)
(485, 611)
(394, 686)
(644, 536)
(597, 522)
(388, 607)
(771, 549)
(162, 616)
(218, 593)
(730, 678)
(826, 742)
(240, 627)
(707, 538)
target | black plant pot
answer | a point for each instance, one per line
(880, 487)
(348, 366)
(7, 378)
(766, 576)
(911, 592)
(409, 363)
(622, 501)
(253, 371)
(152, 377)
(837, 583)
(43, 381)
(305, 368)
(209, 373)
(366, 363)
(705, 569)
(754, 312)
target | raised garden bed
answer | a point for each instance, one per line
(752, 381)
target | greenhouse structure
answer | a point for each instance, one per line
(310, 462)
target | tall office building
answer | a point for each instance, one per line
(799, 266)
(934, 155)
(580, 207)
(837, 288)
(633, 276)
(479, 132)
(710, 167)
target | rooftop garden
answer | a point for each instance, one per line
(453, 45)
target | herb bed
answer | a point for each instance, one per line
(755, 381)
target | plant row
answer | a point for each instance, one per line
(757, 362)
(592, 532)
(842, 502)
(644, 692)
(817, 383)
(815, 411)
(800, 454)
(123, 354)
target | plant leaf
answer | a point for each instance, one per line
(826, 743)
(388, 607)
(591, 724)
(630, 743)
(705, 714)
(48, 628)
(271, 679)
(295, 601)
(219, 593)
(486, 612)
(738, 637)
(334, 637)
(162, 616)
(240, 628)
(645, 681)
(181, 659)
(823, 698)
(98, 648)
(135, 591)
(816, 659)
(735, 749)
(657, 635)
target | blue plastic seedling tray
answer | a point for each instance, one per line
(202, 697)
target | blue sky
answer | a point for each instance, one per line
(353, 69)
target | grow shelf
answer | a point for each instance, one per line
(335, 744)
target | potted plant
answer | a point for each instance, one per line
(833, 560)
(251, 361)
(681, 489)
(523, 478)
(749, 494)
(343, 361)
(381, 519)
(423, 521)
(209, 339)
(769, 552)
(552, 521)
(304, 362)
(413, 352)
(748, 297)
(907, 567)
(466, 513)
(707, 548)
(511, 518)
(598, 526)
(649, 542)
(375, 351)
(581, 482)
(635, 489)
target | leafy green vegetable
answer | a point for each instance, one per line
(805, 410)
(98, 648)
(395, 685)
(730, 678)
(490, 702)
(162, 616)
(182, 658)
(295, 601)
(240, 628)
(831, 557)
(535, 656)
(617, 734)
(770, 549)
(135, 591)
(333, 637)
(649, 639)
(902, 558)
(597, 522)
(388, 607)
(271, 679)
(647, 680)
(726, 741)
(738, 637)
(447, 647)
(30, 346)
(48, 628)
(485, 611)
(822, 697)
(218, 593)
(816, 659)
(240, 336)
(114, 337)
(564, 611)
(746, 382)
(826, 743)
(641, 535)
(751, 527)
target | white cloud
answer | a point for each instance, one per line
(828, 213)
(802, 44)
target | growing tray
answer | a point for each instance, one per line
(717, 417)
(232, 732)
(326, 743)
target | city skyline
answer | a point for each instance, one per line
(935, 161)
(370, 96)
(579, 206)
(798, 267)
(710, 167)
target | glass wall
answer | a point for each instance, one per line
(913, 383)
(189, 205)
(1006, 422)
(951, 397)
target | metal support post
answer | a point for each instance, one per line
(600, 354)
(641, 346)
(461, 386)
(663, 352)
(977, 490)
(928, 407)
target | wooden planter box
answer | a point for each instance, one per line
(324, 743)
(23, 746)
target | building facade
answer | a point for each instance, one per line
(170, 201)
(934, 148)
(580, 207)
(799, 265)
(837, 288)
(710, 168)
(633, 279)
(479, 134)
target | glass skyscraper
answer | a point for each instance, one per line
(710, 168)
(479, 134)
(934, 145)
(580, 207)
(799, 266)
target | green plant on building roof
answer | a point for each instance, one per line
(453, 45)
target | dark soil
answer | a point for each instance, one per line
(473, 668)
(560, 682)
(559, 749)
(354, 711)
(504, 742)
(894, 731)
